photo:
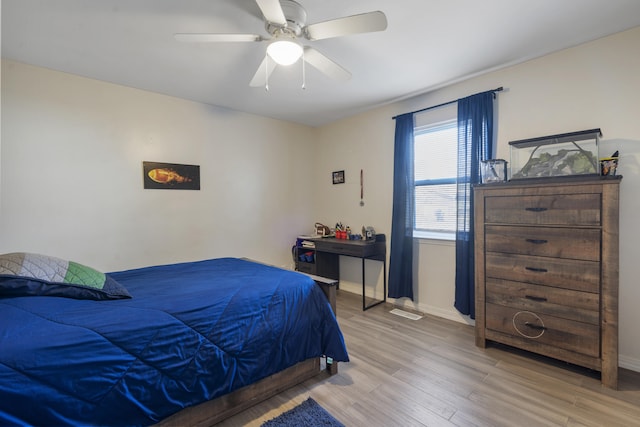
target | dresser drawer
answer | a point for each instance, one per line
(570, 243)
(562, 273)
(544, 329)
(562, 303)
(561, 209)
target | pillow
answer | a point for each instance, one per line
(24, 274)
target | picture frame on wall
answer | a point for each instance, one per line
(170, 176)
(338, 177)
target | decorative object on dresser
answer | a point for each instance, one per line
(566, 154)
(546, 269)
(493, 170)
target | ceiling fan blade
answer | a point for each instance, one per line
(272, 11)
(208, 38)
(355, 24)
(325, 65)
(263, 73)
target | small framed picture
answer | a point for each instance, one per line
(171, 176)
(338, 177)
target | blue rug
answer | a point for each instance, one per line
(308, 414)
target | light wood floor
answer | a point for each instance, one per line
(429, 373)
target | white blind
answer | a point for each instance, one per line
(435, 158)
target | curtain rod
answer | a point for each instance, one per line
(500, 89)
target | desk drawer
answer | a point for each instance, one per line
(570, 243)
(356, 248)
(342, 249)
(562, 273)
(562, 209)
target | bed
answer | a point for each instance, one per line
(154, 343)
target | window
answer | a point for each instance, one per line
(435, 161)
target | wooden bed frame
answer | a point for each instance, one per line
(223, 407)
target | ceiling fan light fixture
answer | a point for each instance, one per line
(284, 52)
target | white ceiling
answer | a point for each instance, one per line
(428, 44)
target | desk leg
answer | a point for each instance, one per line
(364, 305)
(384, 279)
(384, 295)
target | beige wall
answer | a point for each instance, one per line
(71, 174)
(588, 86)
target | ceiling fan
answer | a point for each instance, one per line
(286, 23)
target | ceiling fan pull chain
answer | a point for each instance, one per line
(304, 74)
(266, 72)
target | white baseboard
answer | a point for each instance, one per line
(451, 314)
(352, 288)
(629, 363)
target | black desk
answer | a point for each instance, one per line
(327, 259)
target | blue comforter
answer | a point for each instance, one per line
(190, 333)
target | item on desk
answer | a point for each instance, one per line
(346, 233)
(305, 242)
(322, 230)
(368, 233)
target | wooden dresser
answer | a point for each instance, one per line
(546, 278)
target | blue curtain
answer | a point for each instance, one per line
(475, 139)
(401, 258)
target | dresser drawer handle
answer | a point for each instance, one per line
(537, 241)
(536, 327)
(535, 209)
(537, 270)
(532, 298)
